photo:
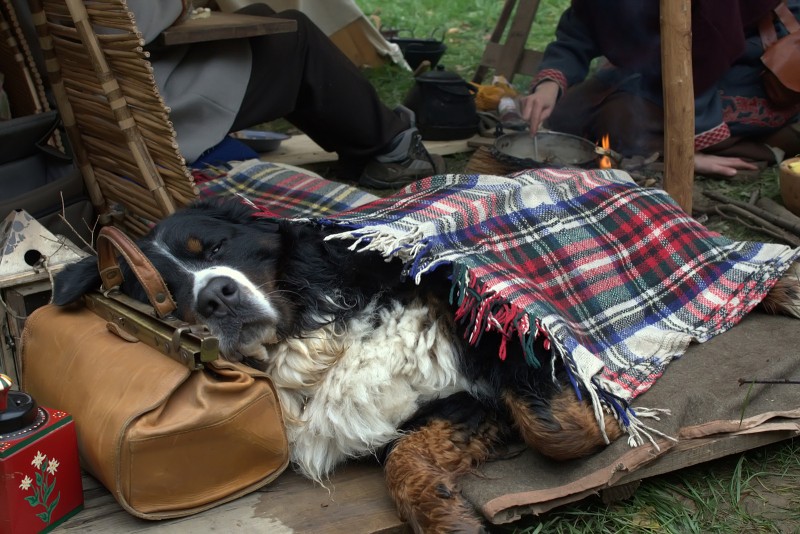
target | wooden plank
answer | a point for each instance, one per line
(221, 25)
(517, 37)
(528, 61)
(685, 454)
(20, 301)
(676, 72)
(301, 150)
(8, 348)
(696, 451)
(354, 500)
(497, 34)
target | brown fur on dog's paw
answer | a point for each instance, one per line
(568, 431)
(421, 474)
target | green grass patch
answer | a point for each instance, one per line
(464, 25)
(752, 492)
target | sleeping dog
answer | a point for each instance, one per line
(365, 362)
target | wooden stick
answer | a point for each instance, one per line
(777, 220)
(758, 224)
(676, 71)
(773, 207)
(743, 381)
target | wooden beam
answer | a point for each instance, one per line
(676, 70)
(302, 150)
(221, 25)
(507, 58)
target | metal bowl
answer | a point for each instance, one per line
(549, 149)
(260, 140)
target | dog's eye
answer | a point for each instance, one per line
(215, 249)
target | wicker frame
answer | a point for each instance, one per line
(23, 83)
(114, 116)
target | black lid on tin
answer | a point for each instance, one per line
(21, 411)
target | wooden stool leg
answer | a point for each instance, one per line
(497, 34)
(511, 57)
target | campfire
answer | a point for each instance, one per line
(607, 156)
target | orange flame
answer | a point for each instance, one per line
(605, 161)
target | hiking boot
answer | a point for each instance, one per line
(407, 160)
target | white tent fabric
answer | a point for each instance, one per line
(331, 16)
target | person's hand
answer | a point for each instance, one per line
(720, 165)
(537, 106)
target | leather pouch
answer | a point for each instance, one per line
(165, 425)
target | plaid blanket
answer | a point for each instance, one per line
(281, 190)
(617, 277)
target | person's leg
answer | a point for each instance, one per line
(787, 139)
(303, 77)
(593, 109)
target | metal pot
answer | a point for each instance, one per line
(415, 50)
(548, 149)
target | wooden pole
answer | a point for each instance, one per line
(676, 70)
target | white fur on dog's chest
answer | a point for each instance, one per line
(345, 393)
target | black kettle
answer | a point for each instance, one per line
(444, 104)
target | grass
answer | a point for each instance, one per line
(752, 492)
(465, 27)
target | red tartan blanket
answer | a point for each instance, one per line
(617, 276)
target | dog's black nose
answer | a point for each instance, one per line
(218, 297)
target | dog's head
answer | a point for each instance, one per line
(220, 263)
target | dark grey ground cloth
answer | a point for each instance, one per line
(701, 390)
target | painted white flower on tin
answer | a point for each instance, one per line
(43, 487)
(52, 466)
(26, 483)
(38, 459)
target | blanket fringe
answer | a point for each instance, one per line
(486, 311)
(483, 310)
(409, 248)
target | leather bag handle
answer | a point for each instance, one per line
(766, 27)
(111, 240)
(787, 18)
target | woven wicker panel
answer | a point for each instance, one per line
(22, 80)
(115, 118)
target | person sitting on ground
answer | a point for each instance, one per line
(735, 122)
(219, 87)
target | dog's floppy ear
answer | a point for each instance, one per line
(75, 281)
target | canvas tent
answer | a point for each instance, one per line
(344, 22)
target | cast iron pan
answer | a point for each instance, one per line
(550, 149)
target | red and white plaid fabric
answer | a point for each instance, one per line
(618, 277)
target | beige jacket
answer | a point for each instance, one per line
(203, 84)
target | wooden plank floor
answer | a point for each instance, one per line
(301, 150)
(355, 502)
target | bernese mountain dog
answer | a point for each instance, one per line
(365, 361)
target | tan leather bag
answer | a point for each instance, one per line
(781, 58)
(166, 438)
